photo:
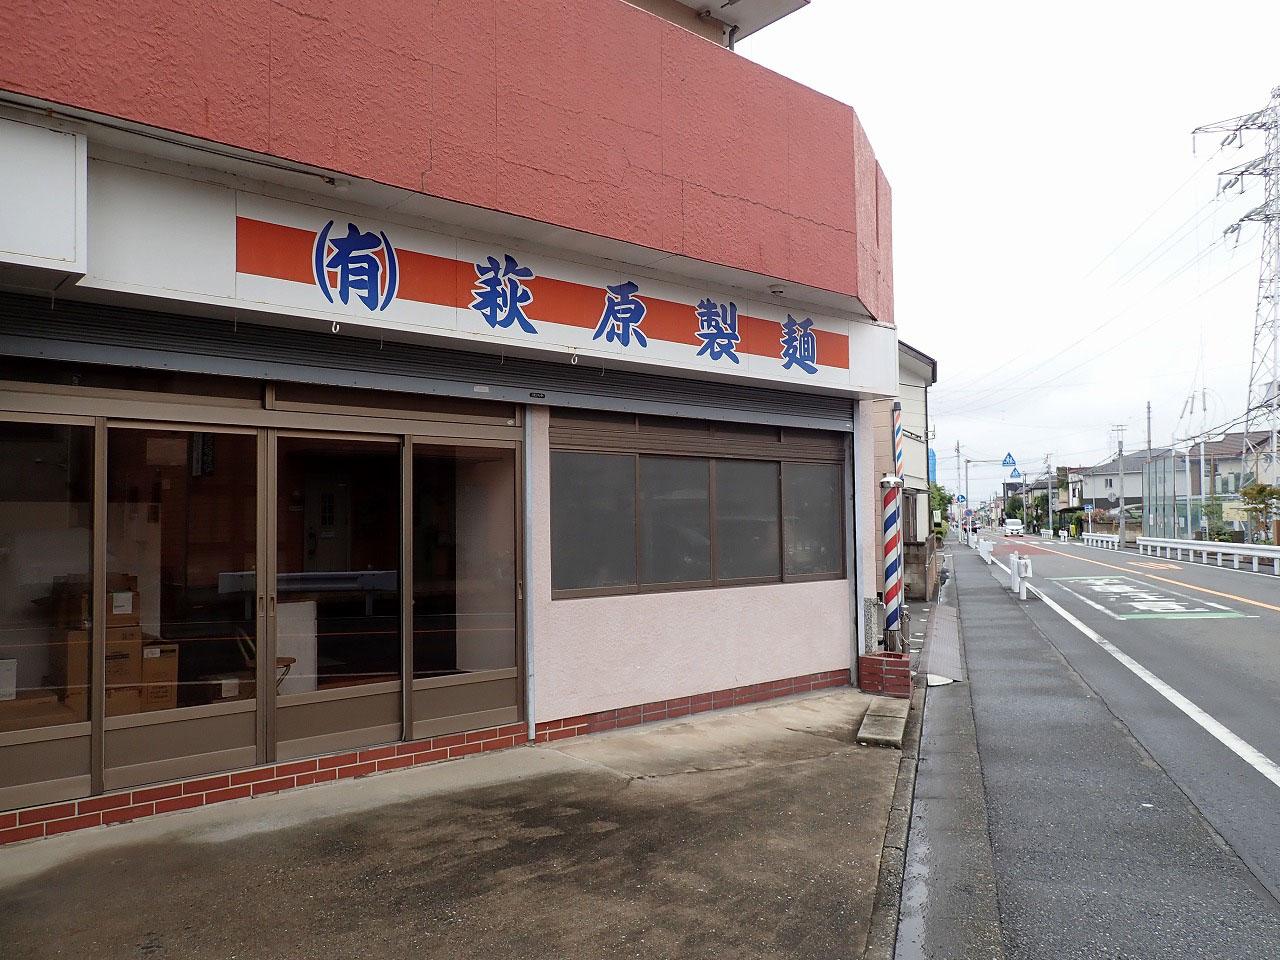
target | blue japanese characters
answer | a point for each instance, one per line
(718, 329)
(360, 273)
(799, 345)
(500, 293)
(622, 316)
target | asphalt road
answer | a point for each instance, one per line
(1211, 634)
(1120, 823)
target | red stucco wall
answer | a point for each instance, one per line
(589, 114)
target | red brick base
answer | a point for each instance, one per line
(683, 706)
(56, 818)
(887, 674)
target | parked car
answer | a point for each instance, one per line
(1013, 527)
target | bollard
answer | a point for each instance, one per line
(1024, 574)
(1013, 573)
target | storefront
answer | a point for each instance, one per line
(246, 571)
(303, 475)
(241, 578)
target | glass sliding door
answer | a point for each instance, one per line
(46, 611)
(336, 600)
(181, 603)
(465, 588)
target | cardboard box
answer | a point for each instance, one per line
(34, 708)
(221, 687)
(69, 661)
(73, 602)
(124, 701)
(159, 676)
(124, 656)
(8, 680)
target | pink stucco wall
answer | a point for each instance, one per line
(588, 114)
(599, 653)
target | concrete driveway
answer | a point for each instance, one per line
(748, 833)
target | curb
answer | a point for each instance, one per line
(882, 935)
(885, 722)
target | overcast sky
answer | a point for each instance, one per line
(1057, 246)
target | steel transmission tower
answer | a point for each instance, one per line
(1263, 411)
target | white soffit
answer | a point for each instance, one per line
(747, 15)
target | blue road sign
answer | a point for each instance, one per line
(960, 499)
(1015, 475)
(1009, 461)
(968, 513)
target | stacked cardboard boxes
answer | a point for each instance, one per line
(141, 671)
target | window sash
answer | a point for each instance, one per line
(716, 580)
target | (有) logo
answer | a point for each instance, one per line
(359, 265)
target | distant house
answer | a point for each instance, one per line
(1101, 485)
(1227, 465)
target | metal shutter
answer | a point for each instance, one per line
(121, 336)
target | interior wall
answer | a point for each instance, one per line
(486, 563)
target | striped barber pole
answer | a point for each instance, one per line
(893, 533)
(892, 568)
(897, 439)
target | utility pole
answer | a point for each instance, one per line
(1119, 428)
(1148, 432)
(959, 487)
(1186, 462)
(1204, 403)
(1262, 411)
(1050, 492)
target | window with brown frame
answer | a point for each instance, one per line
(628, 522)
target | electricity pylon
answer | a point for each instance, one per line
(1263, 410)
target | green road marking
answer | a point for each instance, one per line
(1179, 616)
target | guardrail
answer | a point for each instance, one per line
(1174, 549)
(1107, 541)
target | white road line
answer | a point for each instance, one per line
(1092, 603)
(1249, 754)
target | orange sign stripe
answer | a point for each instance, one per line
(285, 253)
(559, 301)
(833, 349)
(270, 250)
(673, 322)
(427, 278)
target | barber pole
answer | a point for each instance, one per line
(897, 439)
(893, 538)
(892, 569)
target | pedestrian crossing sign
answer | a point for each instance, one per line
(1015, 475)
(1009, 461)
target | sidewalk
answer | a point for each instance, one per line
(754, 832)
(949, 909)
(1094, 850)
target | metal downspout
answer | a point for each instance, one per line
(855, 524)
(529, 586)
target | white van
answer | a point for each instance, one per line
(1013, 527)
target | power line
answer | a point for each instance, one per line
(975, 404)
(978, 377)
(1147, 219)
